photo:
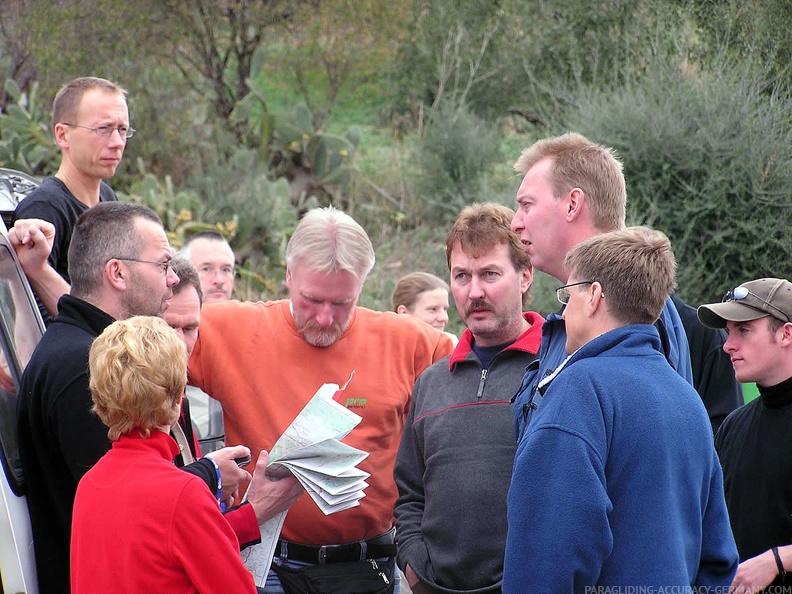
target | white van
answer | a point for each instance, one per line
(21, 328)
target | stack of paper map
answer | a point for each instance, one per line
(310, 449)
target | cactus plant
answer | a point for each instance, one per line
(317, 165)
(26, 142)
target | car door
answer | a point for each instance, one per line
(21, 328)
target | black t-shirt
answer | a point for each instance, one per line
(53, 202)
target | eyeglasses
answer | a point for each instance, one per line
(562, 294)
(165, 266)
(740, 293)
(105, 131)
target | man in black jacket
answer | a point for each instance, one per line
(120, 267)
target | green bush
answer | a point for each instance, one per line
(761, 31)
(238, 190)
(708, 160)
(456, 153)
(443, 39)
(175, 134)
(26, 142)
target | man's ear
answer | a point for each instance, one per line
(576, 199)
(60, 135)
(595, 299)
(786, 335)
(116, 274)
(288, 278)
(401, 310)
(526, 279)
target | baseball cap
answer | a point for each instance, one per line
(750, 301)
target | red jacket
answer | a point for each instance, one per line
(141, 525)
(242, 518)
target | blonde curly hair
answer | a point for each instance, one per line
(138, 370)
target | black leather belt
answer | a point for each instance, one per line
(374, 548)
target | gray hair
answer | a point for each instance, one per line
(209, 235)
(329, 240)
(103, 232)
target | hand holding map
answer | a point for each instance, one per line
(311, 450)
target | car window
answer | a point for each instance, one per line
(14, 186)
(207, 419)
(20, 331)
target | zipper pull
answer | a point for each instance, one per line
(482, 381)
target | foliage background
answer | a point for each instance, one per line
(251, 111)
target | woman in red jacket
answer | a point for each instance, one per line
(130, 532)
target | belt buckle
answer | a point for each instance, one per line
(323, 554)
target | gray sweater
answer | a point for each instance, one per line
(454, 466)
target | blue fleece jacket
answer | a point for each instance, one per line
(552, 352)
(616, 481)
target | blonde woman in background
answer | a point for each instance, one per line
(423, 296)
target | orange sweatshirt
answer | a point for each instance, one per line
(252, 359)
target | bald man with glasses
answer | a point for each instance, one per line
(90, 123)
(214, 259)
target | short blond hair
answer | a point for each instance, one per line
(328, 240)
(67, 101)
(577, 162)
(138, 370)
(635, 267)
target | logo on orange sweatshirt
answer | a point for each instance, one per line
(356, 402)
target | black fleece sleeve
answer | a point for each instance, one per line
(205, 470)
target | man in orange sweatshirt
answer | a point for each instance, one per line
(264, 362)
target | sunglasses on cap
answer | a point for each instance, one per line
(740, 293)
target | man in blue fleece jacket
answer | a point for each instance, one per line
(574, 189)
(616, 481)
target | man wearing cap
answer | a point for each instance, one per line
(754, 442)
